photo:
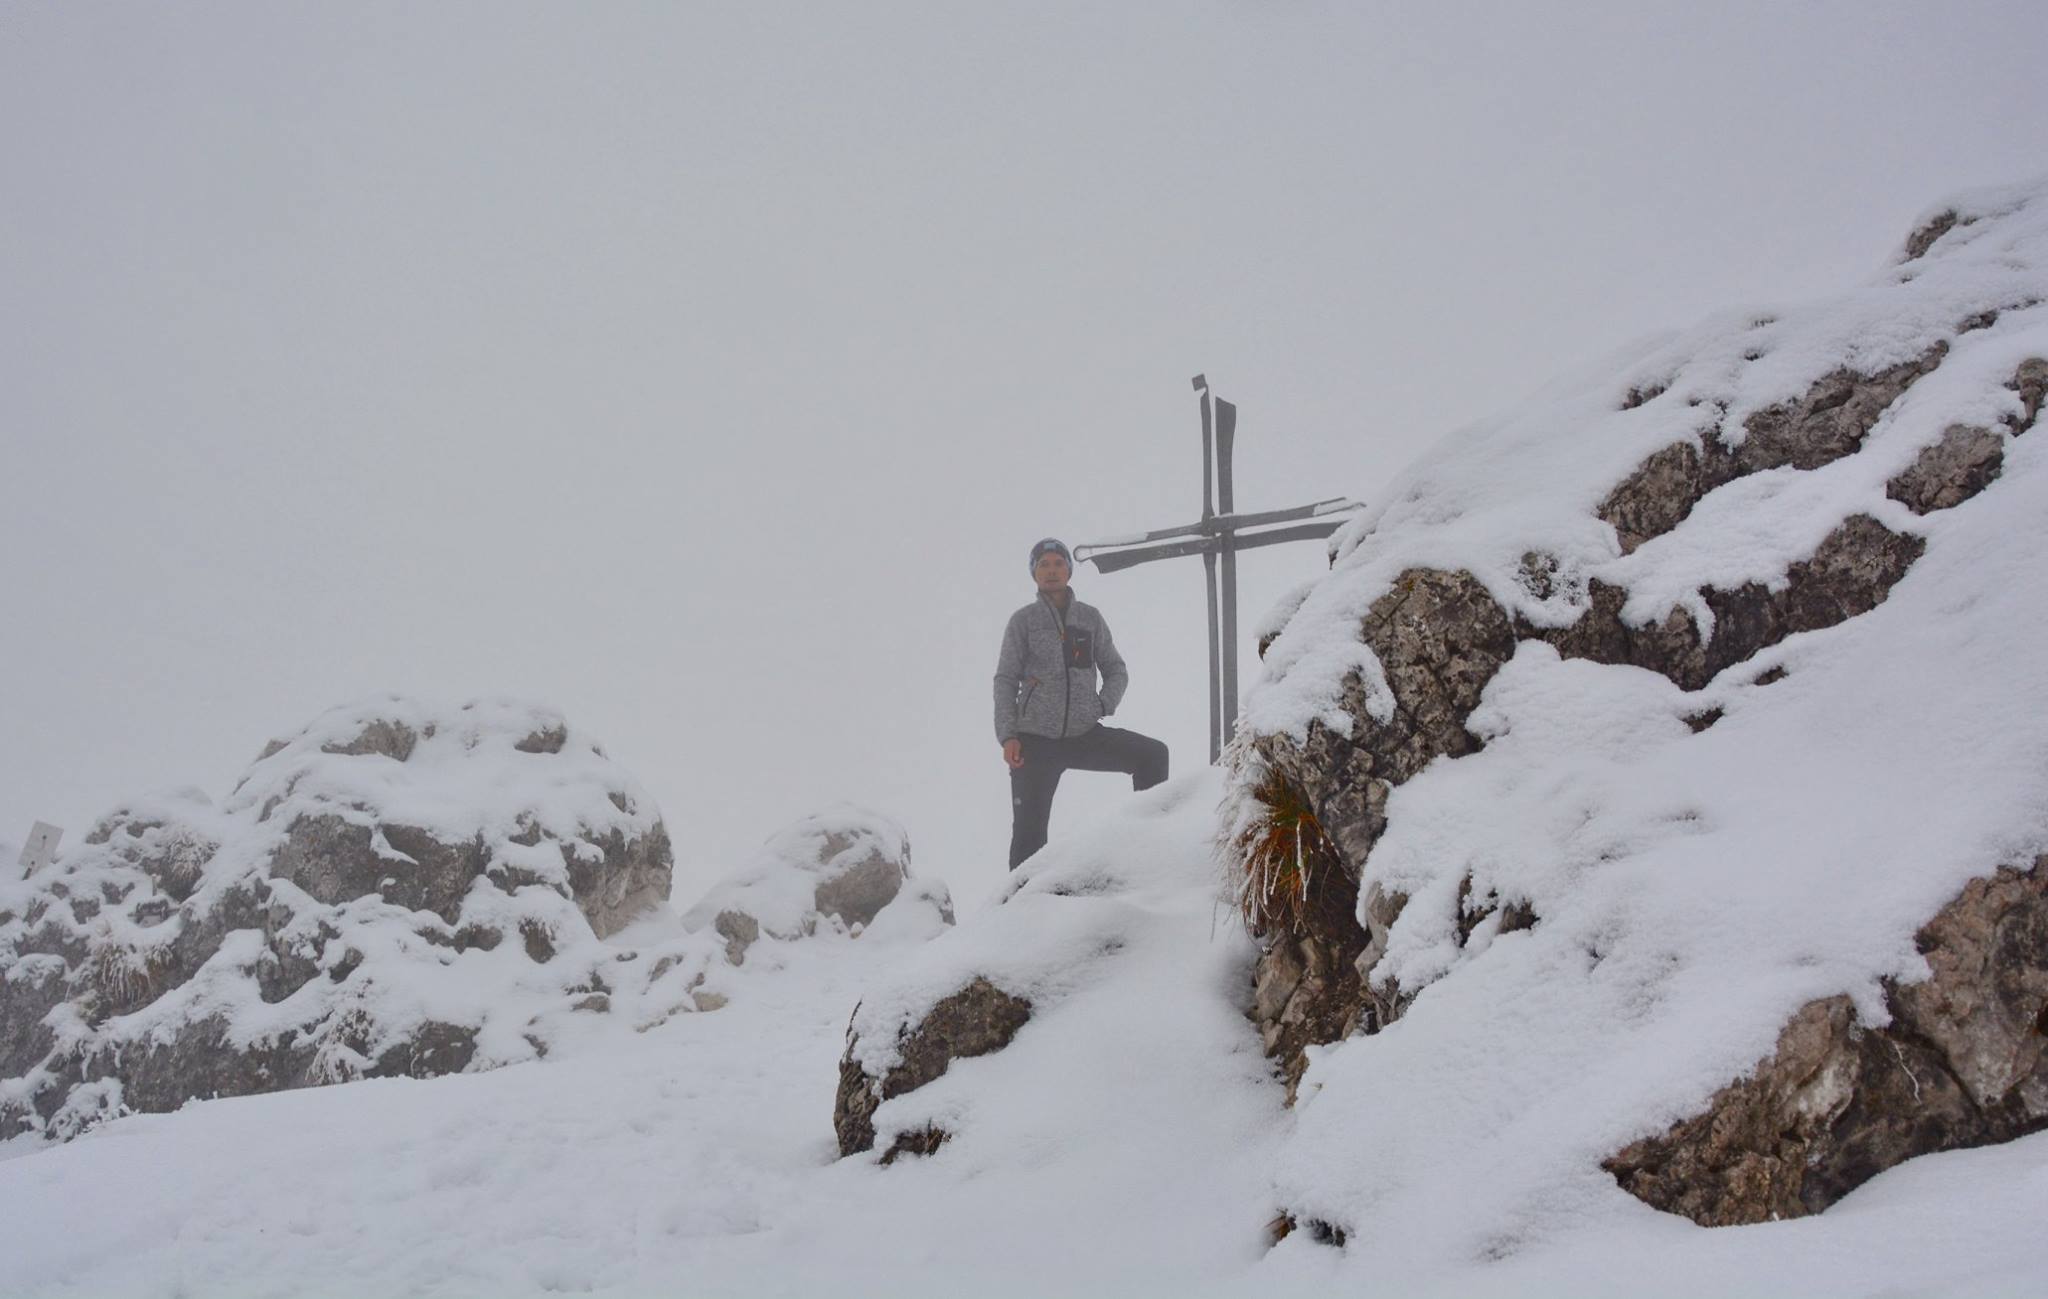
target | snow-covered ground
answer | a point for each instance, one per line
(1121, 1153)
(698, 1158)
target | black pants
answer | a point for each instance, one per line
(1100, 748)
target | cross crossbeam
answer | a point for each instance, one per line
(1217, 537)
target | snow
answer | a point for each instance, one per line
(1123, 1144)
(698, 1156)
(1693, 890)
(778, 888)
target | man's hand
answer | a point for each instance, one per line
(1013, 753)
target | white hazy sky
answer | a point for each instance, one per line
(707, 370)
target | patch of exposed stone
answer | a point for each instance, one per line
(1643, 395)
(833, 872)
(1825, 423)
(1951, 471)
(1963, 1062)
(857, 893)
(1307, 988)
(1322, 1233)
(390, 739)
(1439, 637)
(923, 1142)
(335, 859)
(739, 930)
(1850, 573)
(2030, 384)
(978, 1019)
(548, 739)
(623, 879)
(1926, 236)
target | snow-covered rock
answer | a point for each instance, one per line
(1959, 1063)
(1091, 983)
(396, 889)
(1637, 735)
(841, 871)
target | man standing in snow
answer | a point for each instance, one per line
(1048, 708)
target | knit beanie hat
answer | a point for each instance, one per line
(1051, 544)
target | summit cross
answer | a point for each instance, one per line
(1217, 538)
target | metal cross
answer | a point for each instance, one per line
(1221, 533)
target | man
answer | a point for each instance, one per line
(1048, 708)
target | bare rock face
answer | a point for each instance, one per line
(1591, 523)
(294, 934)
(978, 1019)
(1850, 573)
(2030, 385)
(628, 876)
(1951, 471)
(1822, 425)
(1440, 638)
(335, 860)
(835, 871)
(1964, 1062)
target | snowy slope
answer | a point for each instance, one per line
(1693, 889)
(1127, 1150)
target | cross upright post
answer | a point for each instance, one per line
(1209, 571)
(1217, 537)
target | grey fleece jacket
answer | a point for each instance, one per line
(1045, 675)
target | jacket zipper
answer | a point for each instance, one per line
(1066, 674)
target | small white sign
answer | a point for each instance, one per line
(41, 849)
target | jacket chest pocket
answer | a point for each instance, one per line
(1079, 648)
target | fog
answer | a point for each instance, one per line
(707, 371)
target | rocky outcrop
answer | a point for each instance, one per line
(1962, 1062)
(836, 871)
(1438, 637)
(1849, 574)
(976, 1020)
(345, 913)
(1822, 425)
(1951, 471)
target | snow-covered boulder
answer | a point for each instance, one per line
(1652, 790)
(1959, 1063)
(841, 871)
(396, 889)
(1098, 984)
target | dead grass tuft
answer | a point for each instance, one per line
(1278, 848)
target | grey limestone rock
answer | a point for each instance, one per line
(1951, 471)
(1963, 1062)
(304, 893)
(836, 871)
(1440, 638)
(1825, 423)
(976, 1020)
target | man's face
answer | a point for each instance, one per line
(1051, 572)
